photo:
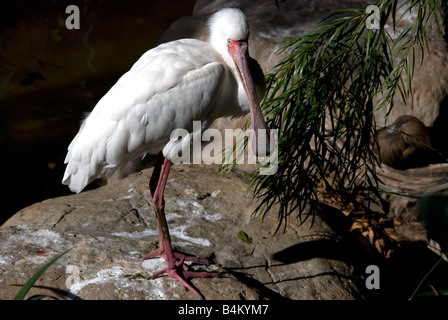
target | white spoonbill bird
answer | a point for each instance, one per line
(168, 88)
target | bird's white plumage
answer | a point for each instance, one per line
(169, 87)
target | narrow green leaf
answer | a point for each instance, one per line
(27, 286)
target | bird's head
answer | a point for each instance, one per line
(228, 23)
(410, 128)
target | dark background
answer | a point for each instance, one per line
(50, 76)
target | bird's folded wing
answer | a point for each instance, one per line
(166, 89)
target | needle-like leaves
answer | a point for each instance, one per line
(322, 98)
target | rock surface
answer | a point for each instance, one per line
(112, 227)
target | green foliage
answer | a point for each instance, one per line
(27, 286)
(433, 294)
(322, 98)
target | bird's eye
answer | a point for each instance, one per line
(229, 42)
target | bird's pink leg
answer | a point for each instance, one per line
(153, 183)
(175, 269)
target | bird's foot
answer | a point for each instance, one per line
(182, 274)
(179, 271)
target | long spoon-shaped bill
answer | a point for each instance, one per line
(260, 139)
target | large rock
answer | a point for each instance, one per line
(112, 227)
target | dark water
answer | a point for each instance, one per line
(50, 76)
